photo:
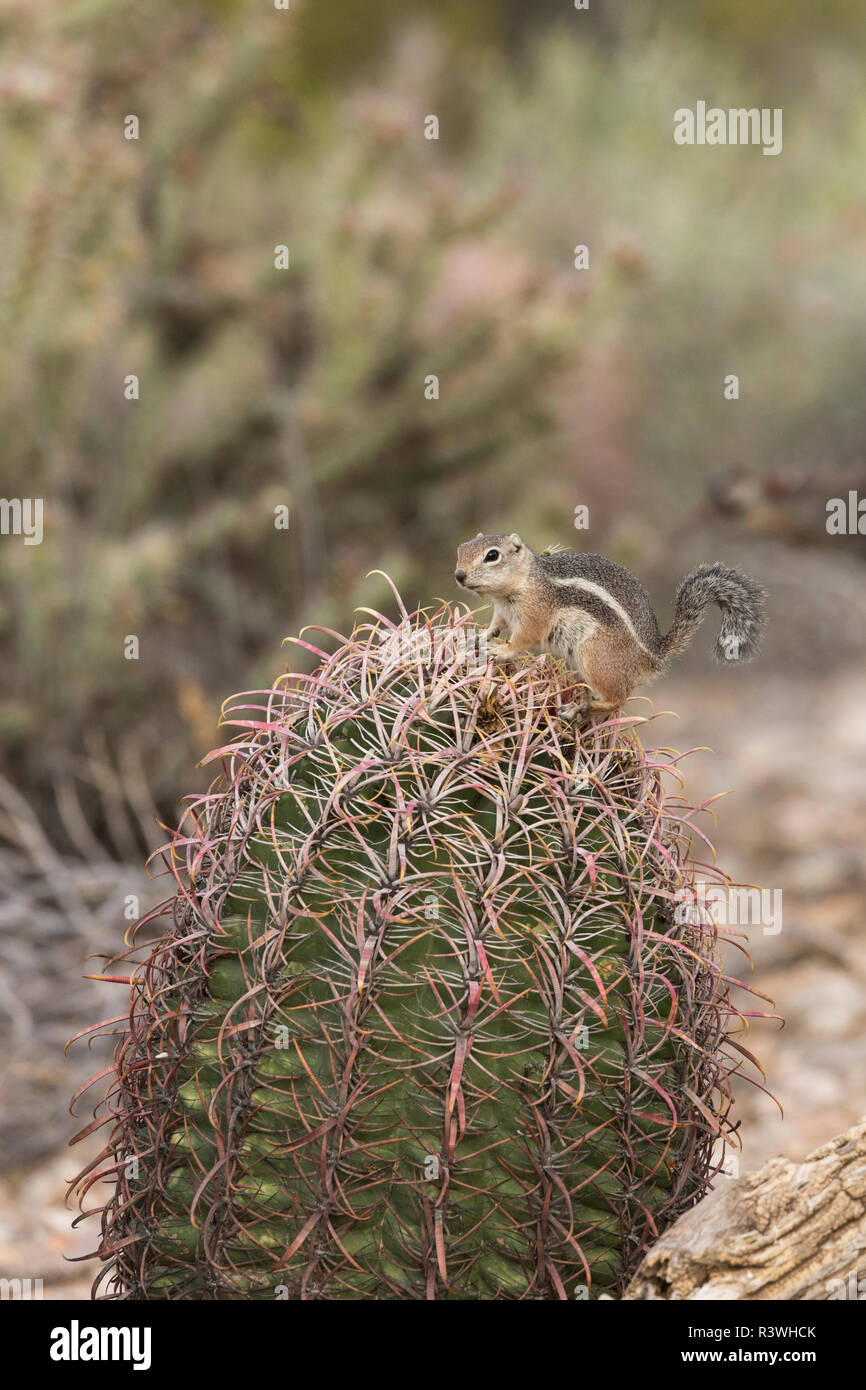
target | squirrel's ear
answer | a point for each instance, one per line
(480, 534)
(515, 540)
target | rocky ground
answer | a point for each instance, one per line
(37, 1239)
(54, 915)
(794, 753)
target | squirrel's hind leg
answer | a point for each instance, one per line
(613, 665)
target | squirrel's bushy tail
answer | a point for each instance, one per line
(743, 605)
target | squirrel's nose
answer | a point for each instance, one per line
(460, 575)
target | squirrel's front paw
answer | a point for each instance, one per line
(500, 651)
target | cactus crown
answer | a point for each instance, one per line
(423, 1022)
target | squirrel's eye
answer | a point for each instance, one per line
(490, 556)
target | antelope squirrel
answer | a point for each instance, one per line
(597, 616)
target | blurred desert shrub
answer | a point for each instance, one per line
(304, 388)
(259, 388)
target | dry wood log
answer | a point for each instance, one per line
(787, 1231)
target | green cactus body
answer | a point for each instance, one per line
(424, 1023)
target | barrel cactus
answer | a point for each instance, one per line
(422, 1018)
